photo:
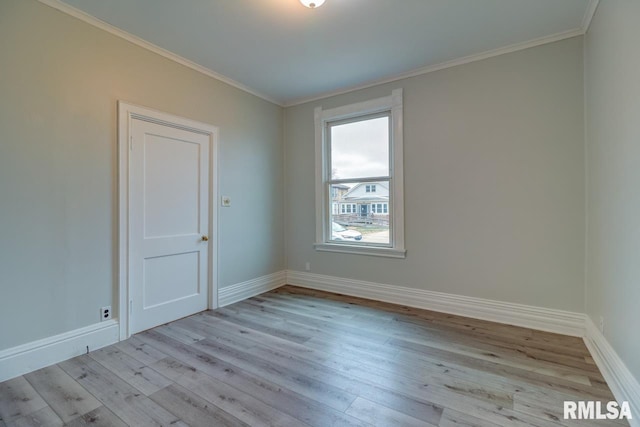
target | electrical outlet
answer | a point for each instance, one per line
(602, 324)
(225, 201)
(105, 313)
(307, 266)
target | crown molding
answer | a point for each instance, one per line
(89, 19)
(588, 15)
(447, 64)
(92, 20)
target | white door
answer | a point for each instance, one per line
(169, 224)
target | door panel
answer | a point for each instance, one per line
(171, 172)
(160, 274)
(169, 215)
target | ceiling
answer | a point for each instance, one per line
(287, 53)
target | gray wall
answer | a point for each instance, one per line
(59, 82)
(612, 69)
(494, 173)
(494, 181)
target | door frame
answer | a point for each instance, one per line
(126, 113)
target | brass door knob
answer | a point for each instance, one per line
(205, 239)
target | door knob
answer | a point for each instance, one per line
(205, 239)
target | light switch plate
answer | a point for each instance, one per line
(226, 201)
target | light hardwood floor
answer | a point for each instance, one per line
(297, 357)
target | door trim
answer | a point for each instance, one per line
(126, 113)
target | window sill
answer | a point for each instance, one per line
(361, 250)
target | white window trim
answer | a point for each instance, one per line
(391, 103)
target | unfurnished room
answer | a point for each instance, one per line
(320, 213)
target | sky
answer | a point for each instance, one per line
(360, 149)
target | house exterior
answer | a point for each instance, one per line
(337, 193)
(364, 201)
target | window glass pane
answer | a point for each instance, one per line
(360, 149)
(364, 222)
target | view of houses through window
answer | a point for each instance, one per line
(355, 209)
(360, 180)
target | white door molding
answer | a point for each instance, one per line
(126, 113)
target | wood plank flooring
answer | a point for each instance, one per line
(297, 357)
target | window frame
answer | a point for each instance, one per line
(393, 104)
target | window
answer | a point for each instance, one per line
(348, 208)
(359, 149)
(380, 208)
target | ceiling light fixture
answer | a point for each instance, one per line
(312, 4)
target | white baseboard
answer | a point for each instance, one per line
(545, 319)
(250, 288)
(35, 355)
(29, 357)
(623, 384)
